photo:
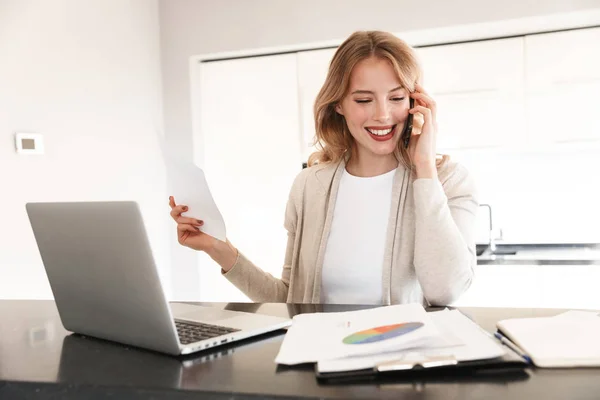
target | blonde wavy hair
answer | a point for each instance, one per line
(333, 138)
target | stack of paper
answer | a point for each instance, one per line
(569, 339)
(354, 340)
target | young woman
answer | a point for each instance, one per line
(375, 219)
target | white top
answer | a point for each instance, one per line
(353, 261)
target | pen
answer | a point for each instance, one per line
(512, 346)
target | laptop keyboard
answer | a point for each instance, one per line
(190, 333)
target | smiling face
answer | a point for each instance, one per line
(375, 108)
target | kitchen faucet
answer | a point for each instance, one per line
(492, 243)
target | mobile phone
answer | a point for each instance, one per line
(407, 131)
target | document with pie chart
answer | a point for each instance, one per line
(323, 336)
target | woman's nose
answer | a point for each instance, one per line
(382, 112)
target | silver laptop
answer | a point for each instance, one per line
(105, 282)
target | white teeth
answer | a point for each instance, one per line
(379, 132)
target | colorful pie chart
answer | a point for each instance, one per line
(382, 333)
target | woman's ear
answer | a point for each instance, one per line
(338, 109)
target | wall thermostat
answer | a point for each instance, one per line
(29, 143)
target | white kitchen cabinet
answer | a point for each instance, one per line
(478, 88)
(312, 71)
(563, 87)
(543, 286)
(571, 286)
(248, 116)
(504, 286)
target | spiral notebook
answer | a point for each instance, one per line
(568, 340)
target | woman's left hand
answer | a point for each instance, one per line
(422, 147)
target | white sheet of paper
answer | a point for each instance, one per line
(464, 340)
(319, 336)
(188, 185)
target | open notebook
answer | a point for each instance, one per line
(571, 339)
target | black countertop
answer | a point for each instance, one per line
(39, 359)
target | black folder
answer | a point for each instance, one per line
(511, 364)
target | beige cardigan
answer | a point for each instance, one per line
(430, 246)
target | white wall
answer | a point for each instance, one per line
(86, 75)
(199, 27)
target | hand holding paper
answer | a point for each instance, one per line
(188, 186)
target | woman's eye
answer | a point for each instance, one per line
(363, 101)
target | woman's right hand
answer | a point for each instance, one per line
(188, 229)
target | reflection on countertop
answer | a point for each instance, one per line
(539, 254)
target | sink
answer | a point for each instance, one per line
(504, 251)
(539, 253)
(482, 249)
